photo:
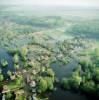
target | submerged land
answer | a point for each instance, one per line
(49, 53)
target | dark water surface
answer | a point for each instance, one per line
(6, 56)
(62, 71)
(60, 94)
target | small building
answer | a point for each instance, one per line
(18, 93)
(34, 72)
(5, 89)
(32, 84)
(13, 77)
(24, 71)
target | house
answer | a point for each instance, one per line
(13, 77)
(18, 93)
(34, 72)
(5, 89)
(32, 84)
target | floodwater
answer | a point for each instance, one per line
(6, 56)
(62, 71)
(60, 94)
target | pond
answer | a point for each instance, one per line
(5, 55)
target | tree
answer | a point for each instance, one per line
(50, 72)
(77, 71)
(8, 96)
(49, 81)
(4, 62)
(88, 76)
(1, 77)
(84, 64)
(75, 81)
(96, 74)
(19, 80)
(24, 52)
(16, 58)
(16, 66)
(96, 52)
(97, 89)
(42, 85)
(9, 73)
(88, 86)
